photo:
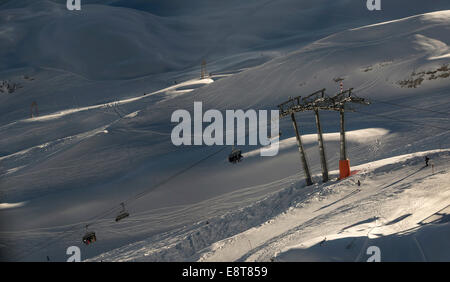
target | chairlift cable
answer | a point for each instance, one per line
(95, 219)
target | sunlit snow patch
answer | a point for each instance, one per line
(360, 136)
(4, 206)
(435, 48)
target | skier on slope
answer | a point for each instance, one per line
(427, 159)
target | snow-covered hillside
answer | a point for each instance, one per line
(107, 79)
(116, 49)
(398, 199)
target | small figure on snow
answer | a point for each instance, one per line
(359, 183)
(323, 241)
(427, 159)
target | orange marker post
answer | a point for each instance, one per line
(344, 169)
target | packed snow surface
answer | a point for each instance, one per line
(90, 128)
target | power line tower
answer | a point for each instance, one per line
(203, 70)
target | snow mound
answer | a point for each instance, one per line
(436, 49)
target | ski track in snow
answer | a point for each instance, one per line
(279, 219)
(172, 90)
(306, 208)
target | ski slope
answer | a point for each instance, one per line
(106, 138)
(388, 210)
(398, 196)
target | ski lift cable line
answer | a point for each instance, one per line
(411, 107)
(94, 220)
(182, 171)
(402, 120)
(45, 244)
(64, 234)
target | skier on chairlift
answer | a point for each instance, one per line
(235, 155)
(89, 237)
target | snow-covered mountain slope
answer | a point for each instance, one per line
(103, 141)
(115, 49)
(128, 39)
(373, 59)
(399, 198)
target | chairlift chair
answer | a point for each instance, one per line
(89, 237)
(123, 214)
(235, 156)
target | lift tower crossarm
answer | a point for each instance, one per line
(339, 100)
